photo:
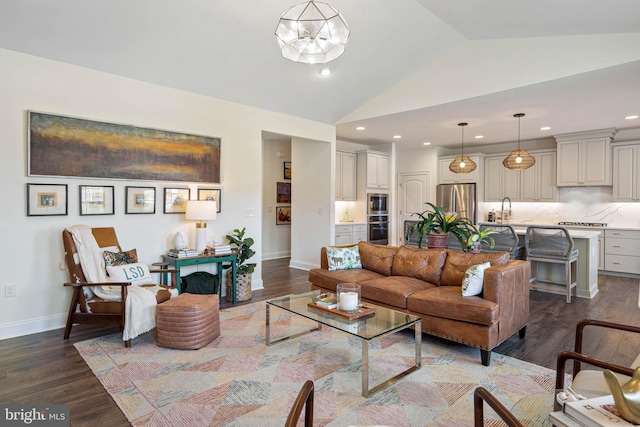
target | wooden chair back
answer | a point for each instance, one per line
(304, 400)
(105, 237)
(481, 395)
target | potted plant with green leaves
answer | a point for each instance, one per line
(476, 238)
(437, 224)
(244, 269)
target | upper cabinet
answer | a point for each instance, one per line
(626, 179)
(584, 158)
(445, 176)
(500, 182)
(536, 184)
(377, 167)
(345, 175)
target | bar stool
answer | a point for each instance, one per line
(506, 240)
(552, 244)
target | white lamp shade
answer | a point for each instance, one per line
(201, 210)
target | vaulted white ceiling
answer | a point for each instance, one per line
(412, 67)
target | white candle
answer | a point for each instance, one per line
(349, 301)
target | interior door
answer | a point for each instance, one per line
(413, 192)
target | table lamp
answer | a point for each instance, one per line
(201, 211)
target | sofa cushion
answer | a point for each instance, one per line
(392, 290)
(458, 262)
(343, 258)
(423, 264)
(473, 278)
(447, 302)
(330, 279)
(377, 258)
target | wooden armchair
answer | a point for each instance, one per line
(481, 395)
(304, 400)
(592, 380)
(95, 310)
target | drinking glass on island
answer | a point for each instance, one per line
(348, 297)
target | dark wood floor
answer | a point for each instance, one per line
(44, 368)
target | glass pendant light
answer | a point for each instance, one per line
(519, 159)
(312, 32)
(462, 163)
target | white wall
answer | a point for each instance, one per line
(312, 207)
(31, 250)
(276, 239)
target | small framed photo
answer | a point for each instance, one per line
(283, 194)
(96, 200)
(287, 170)
(283, 215)
(46, 199)
(214, 194)
(140, 200)
(175, 200)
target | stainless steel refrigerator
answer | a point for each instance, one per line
(459, 198)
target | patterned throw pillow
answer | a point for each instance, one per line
(120, 258)
(138, 273)
(473, 279)
(343, 258)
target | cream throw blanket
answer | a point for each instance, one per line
(140, 306)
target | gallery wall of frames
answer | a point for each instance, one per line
(64, 146)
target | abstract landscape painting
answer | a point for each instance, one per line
(68, 146)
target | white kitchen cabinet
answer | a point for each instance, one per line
(351, 233)
(376, 167)
(345, 175)
(584, 159)
(500, 182)
(445, 176)
(538, 183)
(622, 251)
(626, 179)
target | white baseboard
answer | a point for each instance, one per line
(276, 255)
(32, 326)
(302, 265)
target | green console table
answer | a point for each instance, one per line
(178, 263)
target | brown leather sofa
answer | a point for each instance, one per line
(427, 283)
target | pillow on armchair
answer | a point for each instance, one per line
(136, 273)
(120, 258)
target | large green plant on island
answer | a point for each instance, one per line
(435, 220)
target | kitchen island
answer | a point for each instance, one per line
(551, 277)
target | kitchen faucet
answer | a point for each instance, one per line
(502, 210)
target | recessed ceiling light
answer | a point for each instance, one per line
(325, 72)
(545, 128)
(426, 143)
(631, 117)
(479, 136)
(397, 136)
(360, 128)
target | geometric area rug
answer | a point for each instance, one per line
(238, 381)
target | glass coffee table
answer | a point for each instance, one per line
(384, 322)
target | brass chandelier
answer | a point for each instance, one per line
(519, 159)
(462, 163)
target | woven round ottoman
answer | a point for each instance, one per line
(188, 321)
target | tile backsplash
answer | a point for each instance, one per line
(579, 204)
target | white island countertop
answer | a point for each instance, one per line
(575, 233)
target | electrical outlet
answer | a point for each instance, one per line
(10, 290)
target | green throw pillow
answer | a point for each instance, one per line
(343, 258)
(473, 279)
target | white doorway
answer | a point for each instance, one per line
(413, 192)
